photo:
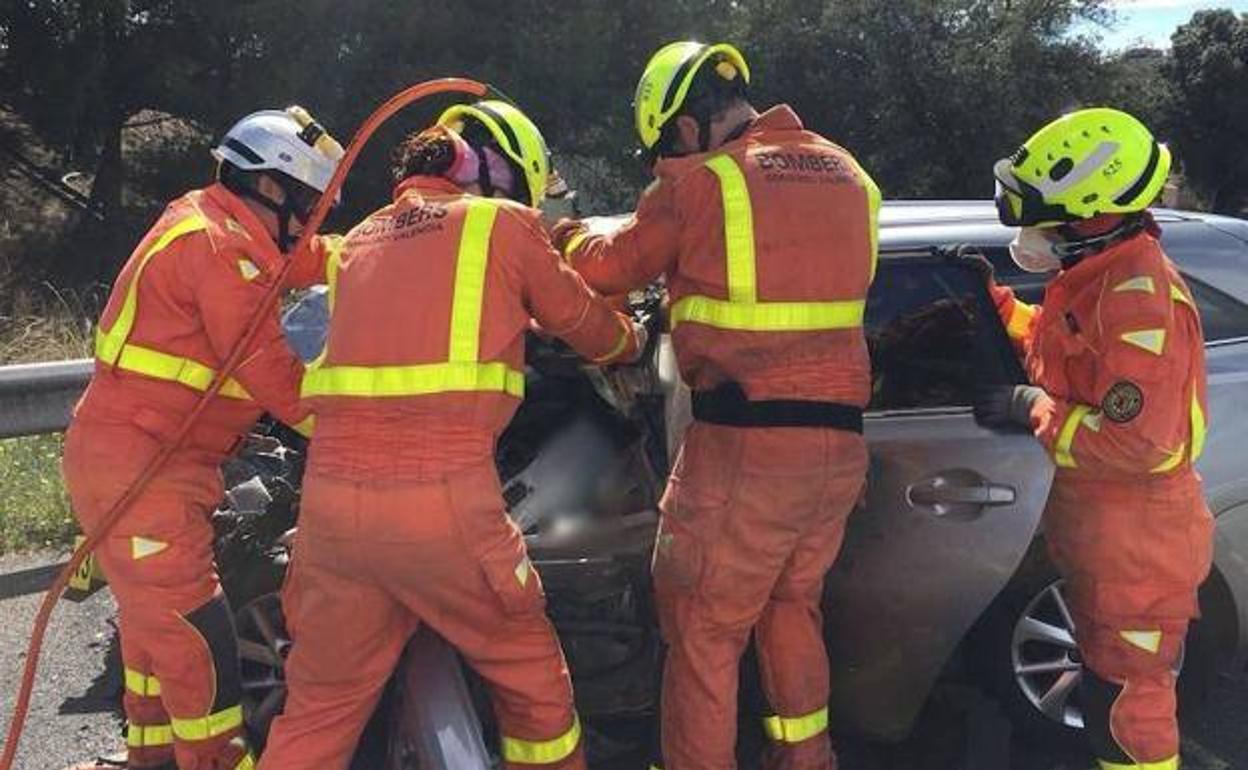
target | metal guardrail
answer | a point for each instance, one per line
(38, 398)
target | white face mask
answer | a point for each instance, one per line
(1033, 252)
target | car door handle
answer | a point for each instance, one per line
(939, 491)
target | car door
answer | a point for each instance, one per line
(951, 507)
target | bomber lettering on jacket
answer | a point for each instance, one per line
(417, 220)
(803, 167)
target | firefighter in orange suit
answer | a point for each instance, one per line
(403, 522)
(767, 235)
(1116, 356)
(177, 309)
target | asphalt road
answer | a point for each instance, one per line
(75, 710)
(74, 714)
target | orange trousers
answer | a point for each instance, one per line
(752, 520)
(371, 561)
(1133, 554)
(178, 646)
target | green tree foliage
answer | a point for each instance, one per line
(1208, 69)
(926, 92)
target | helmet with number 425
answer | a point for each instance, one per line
(1084, 164)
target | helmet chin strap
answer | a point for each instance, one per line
(1074, 251)
(483, 173)
(284, 211)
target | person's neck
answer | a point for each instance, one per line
(735, 119)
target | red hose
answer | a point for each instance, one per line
(367, 128)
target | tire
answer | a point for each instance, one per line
(254, 589)
(1027, 626)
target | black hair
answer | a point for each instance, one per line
(710, 95)
(422, 153)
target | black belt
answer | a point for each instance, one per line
(727, 405)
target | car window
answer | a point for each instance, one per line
(1222, 316)
(934, 336)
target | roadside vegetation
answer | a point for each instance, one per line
(34, 507)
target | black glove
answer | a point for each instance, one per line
(999, 406)
(972, 258)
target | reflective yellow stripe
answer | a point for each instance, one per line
(738, 230)
(769, 316)
(1152, 340)
(466, 305)
(1199, 427)
(1142, 283)
(796, 729)
(203, 728)
(875, 201)
(142, 684)
(112, 348)
(332, 266)
(1149, 641)
(742, 311)
(1166, 764)
(1177, 295)
(618, 349)
(139, 736)
(1172, 461)
(184, 371)
(574, 243)
(1021, 315)
(1061, 452)
(109, 343)
(248, 762)
(543, 752)
(416, 380)
(305, 426)
(461, 372)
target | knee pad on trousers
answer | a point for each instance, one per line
(1098, 697)
(214, 622)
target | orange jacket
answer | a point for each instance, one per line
(1118, 348)
(786, 320)
(181, 302)
(430, 301)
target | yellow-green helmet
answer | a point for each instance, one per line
(516, 135)
(1090, 162)
(665, 82)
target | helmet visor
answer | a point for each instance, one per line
(300, 197)
(1022, 205)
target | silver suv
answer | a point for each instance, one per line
(943, 576)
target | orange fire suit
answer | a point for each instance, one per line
(403, 520)
(1118, 349)
(181, 302)
(769, 245)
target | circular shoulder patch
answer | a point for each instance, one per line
(1123, 402)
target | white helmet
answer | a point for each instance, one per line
(299, 152)
(288, 140)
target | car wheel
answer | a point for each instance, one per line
(263, 645)
(1024, 654)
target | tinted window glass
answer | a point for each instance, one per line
(934, 336)
(1222, 316)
